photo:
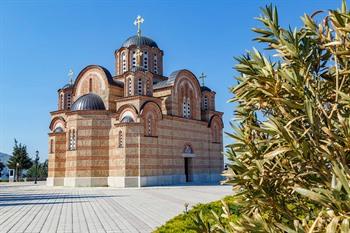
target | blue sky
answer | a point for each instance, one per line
(41, 40)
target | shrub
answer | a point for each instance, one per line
(291, 150)
(190, 222)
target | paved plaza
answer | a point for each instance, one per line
(38, 208)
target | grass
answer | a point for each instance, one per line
(185, 223)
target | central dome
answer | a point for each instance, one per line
(88, 102)
(143, 41)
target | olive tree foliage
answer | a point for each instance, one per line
(291, 151)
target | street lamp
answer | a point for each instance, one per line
(36, 166)
(17, 165)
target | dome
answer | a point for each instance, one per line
(127, 119)
(88, 102)
(205, 88)
(58, 130)
(143, 41)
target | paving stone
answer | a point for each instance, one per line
(25, 207)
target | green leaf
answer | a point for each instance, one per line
(276, 152)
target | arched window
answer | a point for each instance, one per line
(155, 63)
(139, 86)
(145, 60)
(120, 139)
(124, 61)
(129, 86)
(90, 85)
(51, 146)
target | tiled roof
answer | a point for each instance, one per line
(167, 83)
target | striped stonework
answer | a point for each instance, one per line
(137, 128)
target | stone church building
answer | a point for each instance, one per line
(137, 127)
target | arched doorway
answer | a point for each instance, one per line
(188, 163)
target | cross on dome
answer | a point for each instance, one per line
(138, 21)
(202, 77)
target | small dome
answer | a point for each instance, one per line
(88, 102)
(143, 41)
(58, 130)
(204, 88)
(127, 119)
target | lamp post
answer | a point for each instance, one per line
(36, 166)
(17, 165)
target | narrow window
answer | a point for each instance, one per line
(129, 86)
(120, 136)
(155, 62)
(51, 146)
(184, 108)
(62, 101)
(139, 86)
(90, 85)
(124, 61)
(148, 87)
(74, 140)
(70, 140)
(188, 108)
(149, 126)
(69, 101)
(133, 59)
(205, 102)
(145, 60)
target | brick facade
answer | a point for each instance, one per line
(153, 130)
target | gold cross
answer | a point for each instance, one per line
(138, 21)
(202, 77)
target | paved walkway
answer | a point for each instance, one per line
(37, 208)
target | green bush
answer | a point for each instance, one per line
(188, 222)
(290, 155)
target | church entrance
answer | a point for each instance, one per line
(188, 169)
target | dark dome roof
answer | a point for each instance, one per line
(127, 119)
(205, 88)
(88, 102)
(58, 130)
(143, 41)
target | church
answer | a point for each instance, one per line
(137, 127)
